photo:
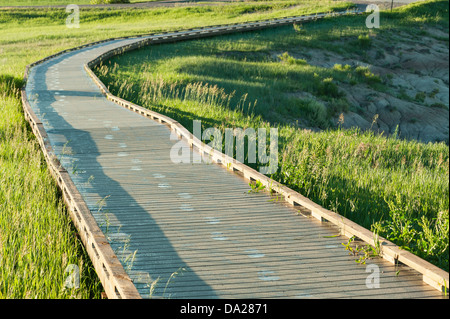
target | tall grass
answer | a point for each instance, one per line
(37, 239)
(398, 188)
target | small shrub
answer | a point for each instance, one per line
(328, 88)
(299, 28)
(439, 105)
(364, 72)
(420, 97)
(285, 57)
(340, 67)
(364, 41)
(433, 93)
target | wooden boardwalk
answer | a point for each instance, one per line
(183, 230)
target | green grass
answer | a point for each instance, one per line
(249, 65)
(54, 2)
(398, 188)
(37, 238)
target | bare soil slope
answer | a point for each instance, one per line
(416, 70)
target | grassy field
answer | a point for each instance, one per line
(37, 238)
(397, 188)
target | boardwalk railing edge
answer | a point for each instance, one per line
(116, 282)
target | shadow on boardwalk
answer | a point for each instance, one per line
(79, 153)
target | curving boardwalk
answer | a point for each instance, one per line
(190, 230)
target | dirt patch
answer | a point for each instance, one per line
(415, 71)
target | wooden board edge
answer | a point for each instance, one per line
(115, 281)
